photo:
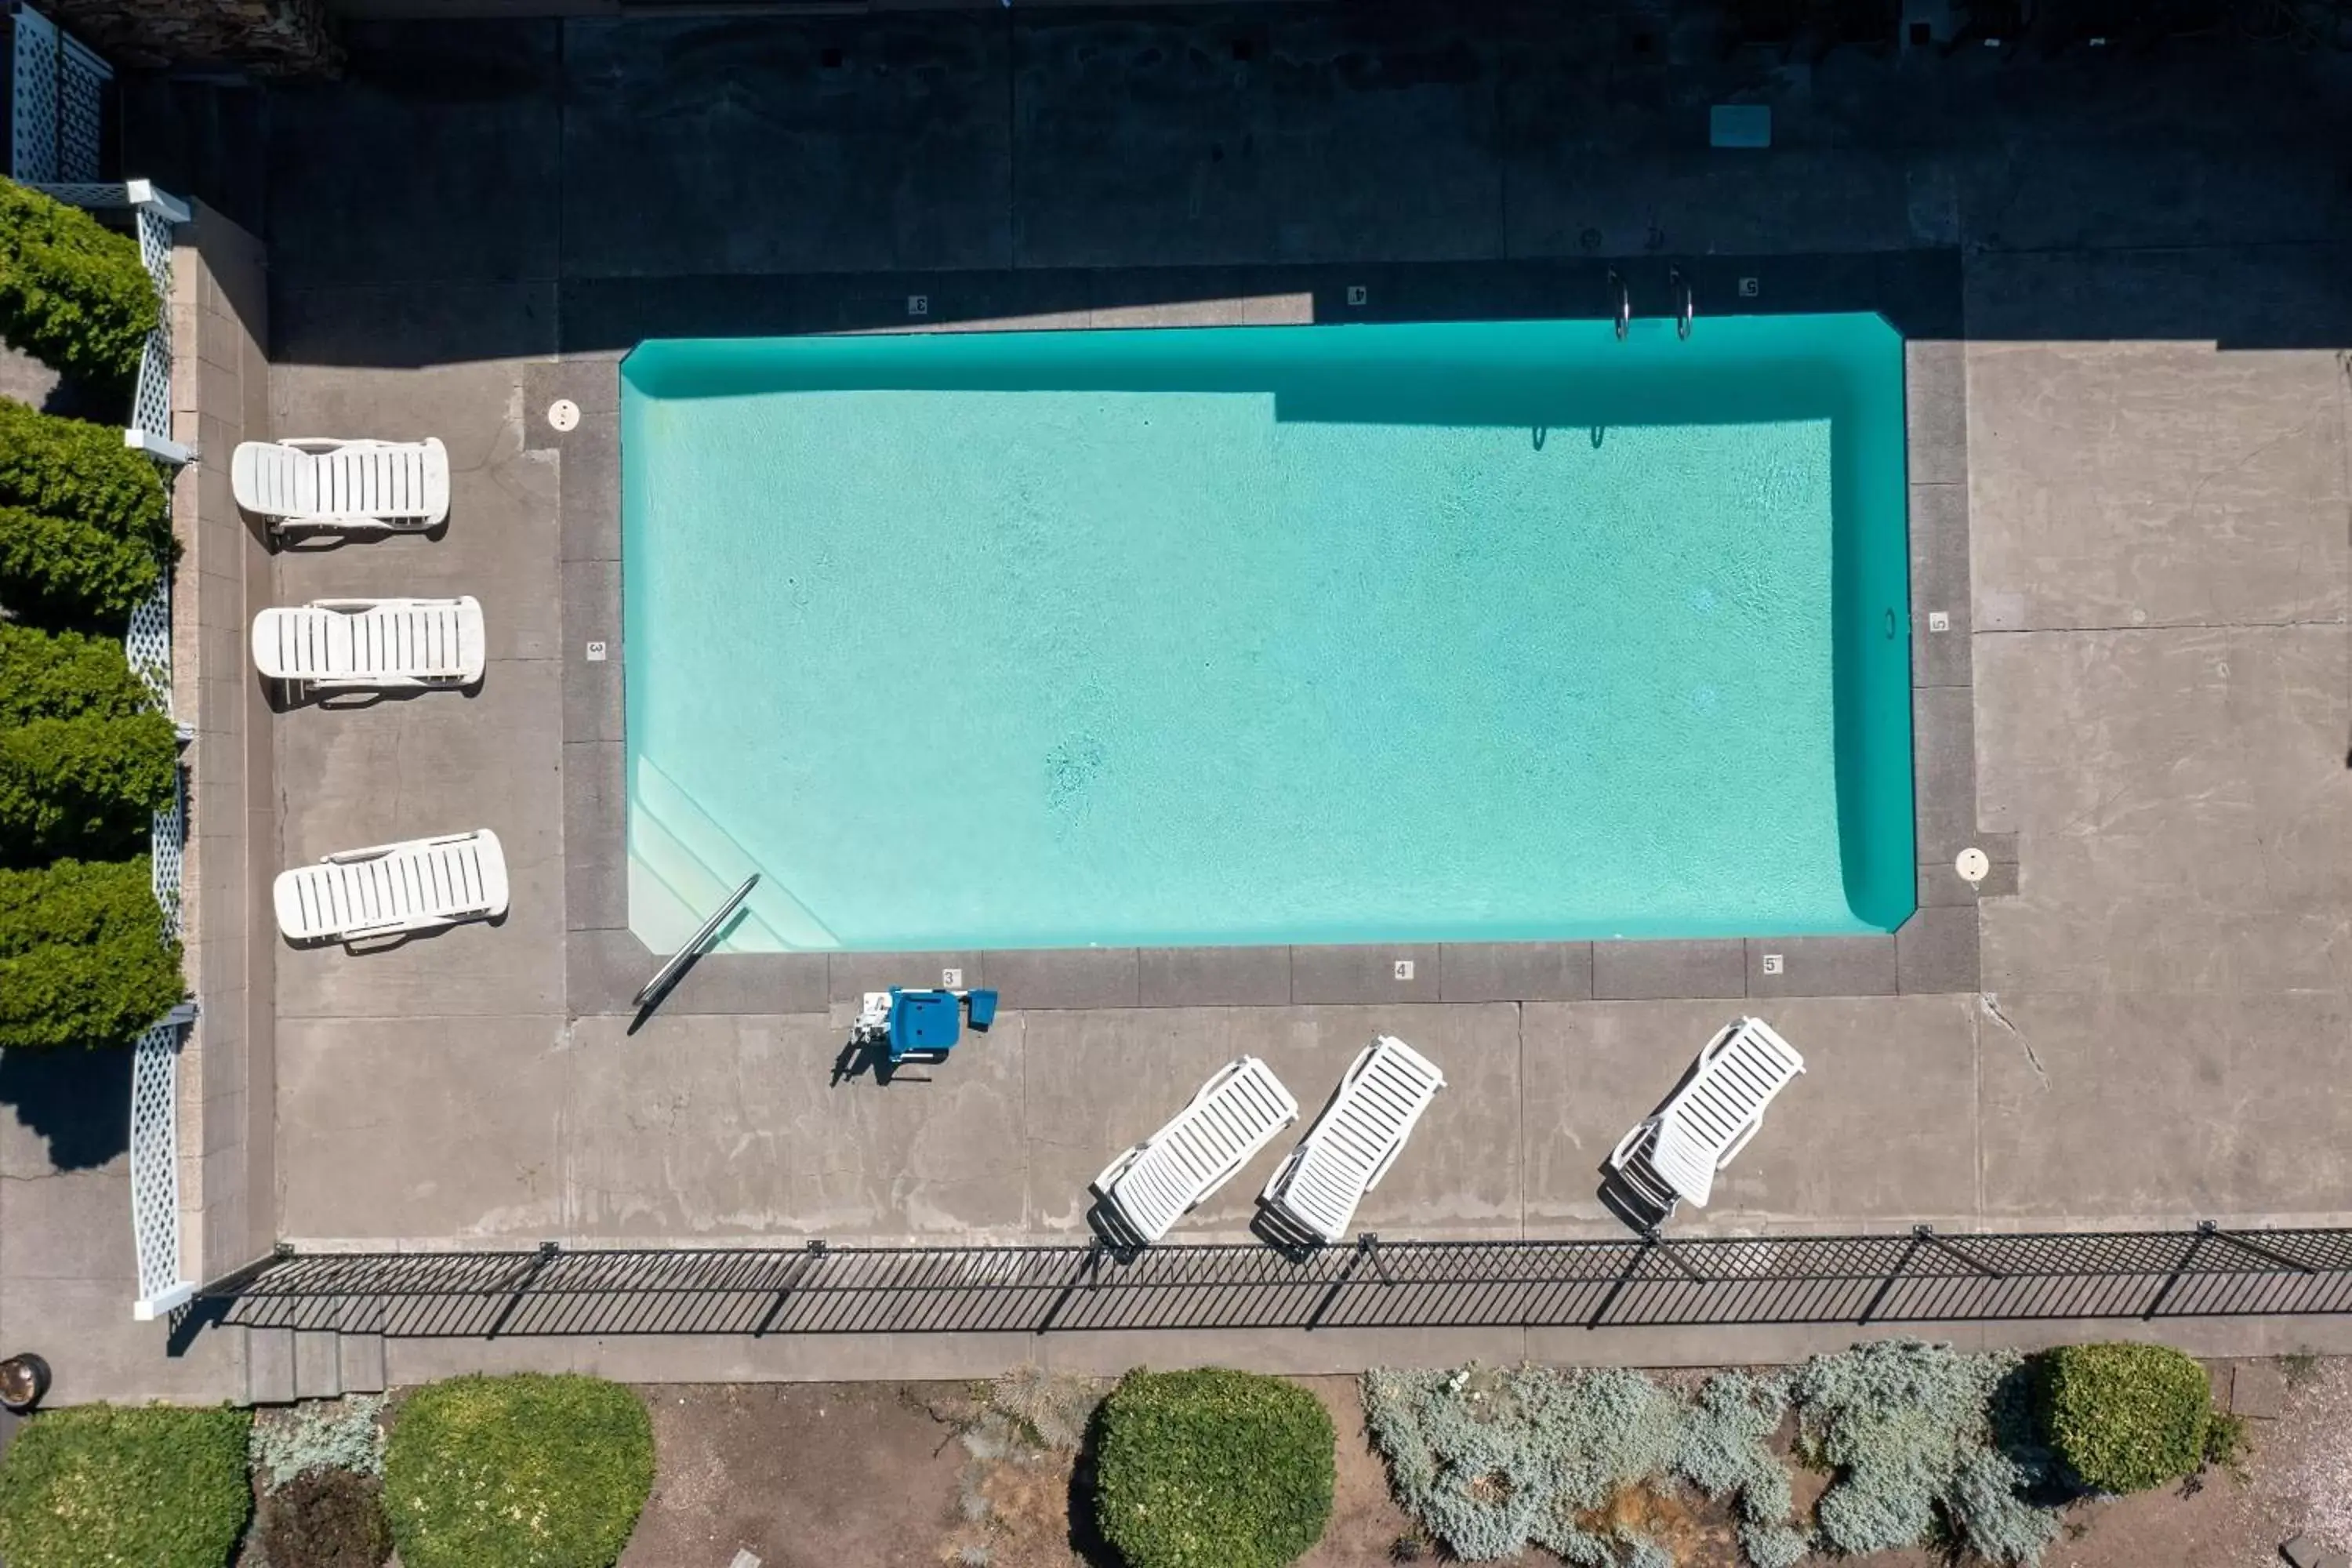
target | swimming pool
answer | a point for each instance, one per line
(1331, 633)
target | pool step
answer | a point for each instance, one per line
(689, 865)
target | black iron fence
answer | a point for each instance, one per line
(1924, 1276)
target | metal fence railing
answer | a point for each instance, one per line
(1924, 1276)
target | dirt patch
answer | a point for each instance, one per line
(801, 1475)
(1365, 1520)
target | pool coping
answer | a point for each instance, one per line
(1935, 951)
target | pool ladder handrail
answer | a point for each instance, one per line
(1681, 288)
(1624, 304)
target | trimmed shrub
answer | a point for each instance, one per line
(98, 1486)
(83, 958)
(85, 786)
(326, 1519)
(528, 1471)
(2124, 1418)
(1212, 1470)
(82, 472)
(65, 675)
(73, 292)
(54, 570)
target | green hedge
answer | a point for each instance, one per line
(73, 292)
(528, 1471)
(82, 472)
(2124, 1418)
(86, 786)
(65, 675)
(56, 569)
(97, 1485)
(1212, 1470)
(83, 957)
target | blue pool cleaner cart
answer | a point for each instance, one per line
(922, 1025)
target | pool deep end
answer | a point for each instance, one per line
(1455, 632)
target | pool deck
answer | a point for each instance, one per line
(2141, 436)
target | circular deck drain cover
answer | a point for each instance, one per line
(563, 414)
(1971, 864)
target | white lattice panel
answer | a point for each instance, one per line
(81, 97)
(148, 641)
(170, 855)
(33, 97)
(155, 1168)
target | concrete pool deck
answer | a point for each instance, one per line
(2148, 659)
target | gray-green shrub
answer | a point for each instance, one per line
(82, 472)
(86, 786)
(56, 570)
(65, 675)
(322, 1434)
(83, 958)
(1488, 1461)
(1726, 1449)
(73, 292)
(1913, 1428)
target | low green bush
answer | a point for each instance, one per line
(527, 1471)
(98, 1486)
(56, 570)
(73, 292)
(82, 472)
(326, 1519)
(87, 787)
(1212, 1470)
(83, 958)
(2124, 1418)
(65, 675)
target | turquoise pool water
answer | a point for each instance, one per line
(1328, 633)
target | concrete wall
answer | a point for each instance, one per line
(272, 36)
(220, 388)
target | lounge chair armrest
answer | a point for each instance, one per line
(1282, 1173)
(1624, 1150)
(1739, 1143)
(1715, 1047)
(1117, 1168)
(343, 604)
(361, 933)
(1223, 1076)
(353, 856)
(318, 443)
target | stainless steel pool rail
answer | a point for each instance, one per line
(1681, 288)
(667, 976)
(1624, 304)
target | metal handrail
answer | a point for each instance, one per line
(675, 963)
(1624, 304)
(1681, 287)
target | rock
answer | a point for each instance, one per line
(2303, 1551)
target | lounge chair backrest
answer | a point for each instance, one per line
(1714, 1114)
(1353, 1143)
(417, 885)
(1234, 1115)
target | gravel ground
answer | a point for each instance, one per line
(2303, 1470)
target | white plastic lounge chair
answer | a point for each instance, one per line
(371, 645)
(1710, 1121)
(1353, 1144)
(352, 487)
(1235, 1115)
(421, 884)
